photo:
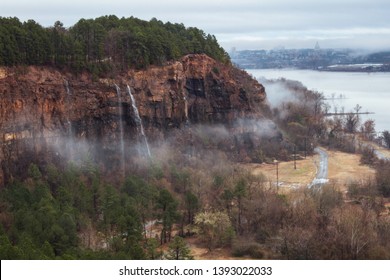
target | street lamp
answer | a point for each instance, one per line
(295, 156)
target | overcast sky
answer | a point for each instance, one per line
(244, 24)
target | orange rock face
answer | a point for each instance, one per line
(44, 107)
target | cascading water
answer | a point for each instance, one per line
(122, 144)
(70, 139)
(186, 110)
(139, 121)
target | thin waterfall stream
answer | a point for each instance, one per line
(70, 140)
(139, 121)
(122, 143)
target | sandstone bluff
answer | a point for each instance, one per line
(40, 106)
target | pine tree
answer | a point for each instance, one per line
(178, 250)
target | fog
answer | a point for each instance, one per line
(278, 93)
(369, 90)
(245, 24)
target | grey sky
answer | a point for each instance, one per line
(245, 24)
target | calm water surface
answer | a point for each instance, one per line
(369, 90)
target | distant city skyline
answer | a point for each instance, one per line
(244, 24)
(312, 58)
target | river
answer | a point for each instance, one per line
(369, 90)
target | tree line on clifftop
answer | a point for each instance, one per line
(103, 44)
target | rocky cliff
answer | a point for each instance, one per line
(45, 112)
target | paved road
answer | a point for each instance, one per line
(322, 171)
(377, 153)
(380, 155)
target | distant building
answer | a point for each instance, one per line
(316, 58)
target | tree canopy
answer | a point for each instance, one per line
(102, 44)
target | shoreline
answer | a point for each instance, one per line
(370, 90)
(335, 69)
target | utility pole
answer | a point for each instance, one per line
(295, 157)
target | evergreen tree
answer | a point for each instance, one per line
(101, 44)
(152, 249)
(167, 207)
(178, 250)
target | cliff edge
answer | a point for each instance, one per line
(44, 111)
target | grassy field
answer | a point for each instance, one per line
(343, 169)
(288, 176)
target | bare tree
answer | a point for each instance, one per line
(351, 122)
(354, 232)
(368, 129)
(386, 138)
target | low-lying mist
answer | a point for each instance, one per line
(211, 144)
(242, 140)
(278, 93)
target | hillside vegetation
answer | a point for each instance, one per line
(193, 186)
(103, 44)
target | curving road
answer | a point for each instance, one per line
(322, 171)
(380, 155)
(322, 168)
(377, 153)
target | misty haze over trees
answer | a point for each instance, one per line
(195, 186)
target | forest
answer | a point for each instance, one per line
(187, 196)
(102, 45)
(75, 213)
(166, 207)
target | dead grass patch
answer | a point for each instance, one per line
(288, 176)
(345, 168)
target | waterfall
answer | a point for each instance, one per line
(186, 110)
(122, 144)
(69, 123)
(138, 121)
